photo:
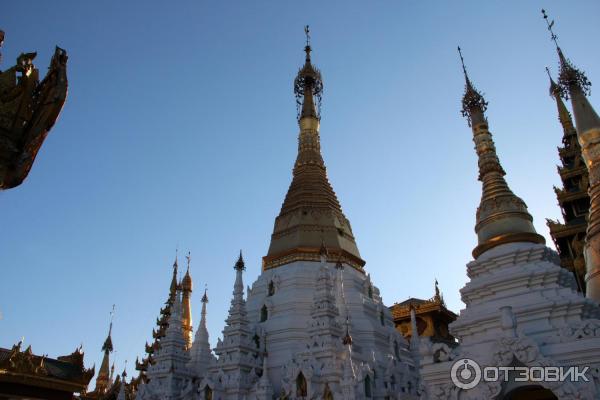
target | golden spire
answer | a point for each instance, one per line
(575, 85)
(186, 304)
(311, 212)
(502, 217)
(103, 379)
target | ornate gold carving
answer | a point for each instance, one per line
(28, 110)
(24, 362)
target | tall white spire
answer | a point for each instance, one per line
(238, 355)
(201, 354)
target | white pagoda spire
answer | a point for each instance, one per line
(169, 373)
(238, 355)
(201, 354)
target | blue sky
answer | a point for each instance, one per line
(179, 131)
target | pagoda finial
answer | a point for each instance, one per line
(569, 75)
(308, 87)
(462, 61)
(307, 48)
(205, 296)
(239, 265)
(473, 103)
(108, 346)
(550, 24)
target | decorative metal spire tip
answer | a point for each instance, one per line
(308, 82)
(307, 48)
(472, 99)
(239, 265)
(550, 24)
(569, 77)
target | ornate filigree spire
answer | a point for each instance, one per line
(502, 217)
(473, 103)
(575, 85)
(308, 86)
(311, 211)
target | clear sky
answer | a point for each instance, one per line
(179, 131)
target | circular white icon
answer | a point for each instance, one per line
(465, 373)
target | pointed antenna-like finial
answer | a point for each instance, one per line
(550, 24)
(462, 61)
(307, 47)
(307, 33)
(473, 102)
(569, 76)
(188, 258)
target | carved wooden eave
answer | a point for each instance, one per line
(402, 310)
(66, 374)
(28, 110)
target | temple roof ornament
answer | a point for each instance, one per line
(311, 213)
(29, 108)
(30, 371)
(502, 217)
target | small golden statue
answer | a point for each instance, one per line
(28, 110)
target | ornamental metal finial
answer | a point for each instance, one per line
(569, 76)
(239, 265)
(550, 24)
(307, 48)
(472, 99)
(307, 33)
(308, 86)
(188, 258)
(462, 61)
